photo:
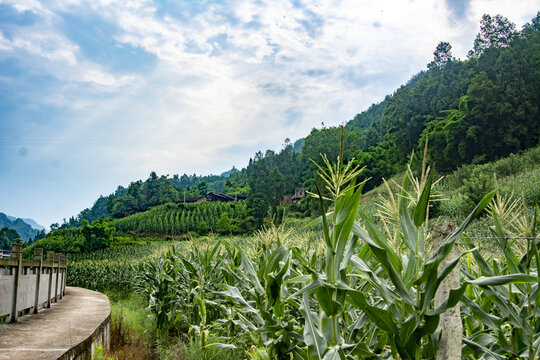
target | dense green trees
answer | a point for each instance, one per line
(8, 237)
(96, 236)
(469, 111)
(498, 113)
(271, 176)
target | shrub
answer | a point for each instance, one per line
(203, 228)
(224, 224)
(96, 236)
(476, 187)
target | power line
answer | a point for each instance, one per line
(503, 237)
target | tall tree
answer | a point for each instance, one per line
(495, 31)
(258, 200)
(441, 56)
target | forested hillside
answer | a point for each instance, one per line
(468, 111)
(141, 195)
(471, 111)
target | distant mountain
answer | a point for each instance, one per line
(23, 229)
(228, 173)
(29, 221)
(298, 145)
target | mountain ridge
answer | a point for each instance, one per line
(25, 230)
(29, 221)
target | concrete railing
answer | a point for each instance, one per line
(30, 285)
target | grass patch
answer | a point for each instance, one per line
(130, 330)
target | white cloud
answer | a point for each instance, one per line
(223, 97)
(47, 50)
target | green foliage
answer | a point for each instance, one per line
(100, 354)
(517, 176)
(271, 176)
(156, 190)
(512, 165)
(8, 237)
(60, 241)
(327, 141)
(476, 187)
(202, 228)
(224, 225)
(96, 236)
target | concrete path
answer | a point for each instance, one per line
(52, 332)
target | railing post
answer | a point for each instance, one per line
(62, 269)
(38, 256)
(57, 262)
(65, 276)
(50, 259)
(16, 253)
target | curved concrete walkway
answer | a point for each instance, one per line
(52, 333)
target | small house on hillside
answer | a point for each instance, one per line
(299, 193)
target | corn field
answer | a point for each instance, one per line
(178, 219)
(111, 268)
(366, 295)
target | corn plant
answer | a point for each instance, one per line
(260, 290)
(401, 305)
(504, 316)
(180, 289)
(155, 282)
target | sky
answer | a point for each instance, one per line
(96, 94)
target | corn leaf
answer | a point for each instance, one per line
(504, 280)
(251, 273)
(312, 336)
(482, 349)
(380, 317)
(419, 214)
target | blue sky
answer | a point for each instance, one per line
(98, 94)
